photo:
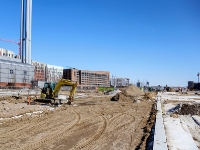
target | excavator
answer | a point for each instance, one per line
(51, 89)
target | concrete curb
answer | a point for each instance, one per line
(159, 135)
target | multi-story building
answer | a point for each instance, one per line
(94, 78)
(39, 71)
(139, 84)
(86, 78)
(45, 72)
(193, 85)
(190, 84)
(119, 82)
(6, 53)
(71, 74)
(53, 73)
(15, 74)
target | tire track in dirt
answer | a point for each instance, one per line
(30, 126)
(12, 125)
(89, 143)
(139, 126)
(15, 124)
(84, 144)
(74, 131)
(116, 130)
(83, 124)
(53, 136)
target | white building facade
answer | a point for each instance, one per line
(7, 53)
(53, 73)
(119, 82)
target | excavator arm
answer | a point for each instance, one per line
(65, 82)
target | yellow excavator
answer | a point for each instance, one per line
(51, 89)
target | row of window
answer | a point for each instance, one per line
(39, 70)
(94, 80)
(99, 79)
(5, 54)
(12, 71)
(96, 75)
(89, 78)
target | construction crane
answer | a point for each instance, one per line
(14, 42)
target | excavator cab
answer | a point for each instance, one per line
(47, 90)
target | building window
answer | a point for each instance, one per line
(11, 71)
(25, 72)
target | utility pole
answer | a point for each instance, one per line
(198, 76)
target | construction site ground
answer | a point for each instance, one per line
(181, 114)
(92, 121)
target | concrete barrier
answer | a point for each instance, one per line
(160, 142)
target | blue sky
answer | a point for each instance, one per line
(156, 41)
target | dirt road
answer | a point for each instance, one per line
(95, 123)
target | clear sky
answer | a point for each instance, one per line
(147, 40)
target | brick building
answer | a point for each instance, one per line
(39, 71)
(86, 78)
(71, 74)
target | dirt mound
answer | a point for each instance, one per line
(128, 94)
(121, 97)
(186, 109)
(150, 95)
(172, 90)
(133, 91)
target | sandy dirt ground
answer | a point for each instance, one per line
(91, 122)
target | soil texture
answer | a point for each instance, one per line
(189, 109)
(89, 123)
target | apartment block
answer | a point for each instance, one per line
(119, 82)
(6, 53)
(39, 71)
(46, 72)
(86, 78)
(53, 73)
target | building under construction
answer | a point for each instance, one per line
(14, 74)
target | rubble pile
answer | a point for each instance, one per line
(121, 97)
(189, 109)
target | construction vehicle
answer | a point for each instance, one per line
(51, 89)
